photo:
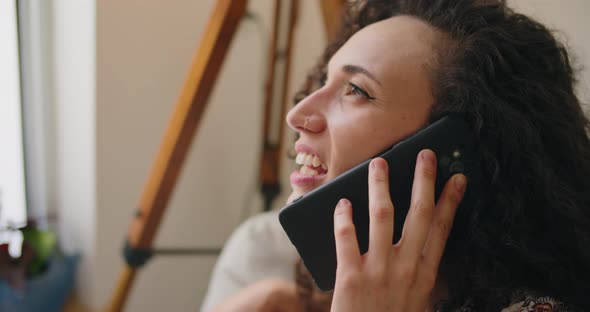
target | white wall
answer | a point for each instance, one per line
(119, 66)
(75, 116)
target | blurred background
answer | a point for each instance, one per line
(99, 80)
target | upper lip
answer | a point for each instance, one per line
(303, 148)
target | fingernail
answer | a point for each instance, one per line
(378, 164)
(342, 211)
(428, 156)
(460, 182)
(343, 203)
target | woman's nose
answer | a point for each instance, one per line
(307, 116)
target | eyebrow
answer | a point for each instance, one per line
(355, 69)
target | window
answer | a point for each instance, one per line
(12, 173)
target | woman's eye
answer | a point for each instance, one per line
(353, 89)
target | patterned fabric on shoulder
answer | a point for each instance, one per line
(538, 304)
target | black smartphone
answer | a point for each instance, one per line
(308, 221)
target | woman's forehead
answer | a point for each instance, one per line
(400, 41)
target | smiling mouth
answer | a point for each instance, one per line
(311, 165)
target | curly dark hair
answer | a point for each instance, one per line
(515, 83)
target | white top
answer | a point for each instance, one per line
(257, 249)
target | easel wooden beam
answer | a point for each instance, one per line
(332, 13)
(270, 162)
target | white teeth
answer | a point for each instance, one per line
(308, 171)
(310, 160)
(316, 161)
(300, 159)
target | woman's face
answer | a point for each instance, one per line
(377, 92)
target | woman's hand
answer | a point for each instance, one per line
(269, 295)
(396, 277)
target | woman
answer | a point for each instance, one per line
(402, 64)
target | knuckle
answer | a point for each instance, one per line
(379, 176)
(451, 195)
(340, 212)
(382, 213)
(443, 228)
(407, 273)
(422, 208)
(377, 271)
(379, 277)
(454, 198)
(428, 172)
(381, 282)
(349, 281)
(345, 230)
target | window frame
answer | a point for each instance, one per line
(13, 218)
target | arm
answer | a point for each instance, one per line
(257, 250)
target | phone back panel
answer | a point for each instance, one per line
(308, 221)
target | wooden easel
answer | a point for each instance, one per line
(185, 120)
